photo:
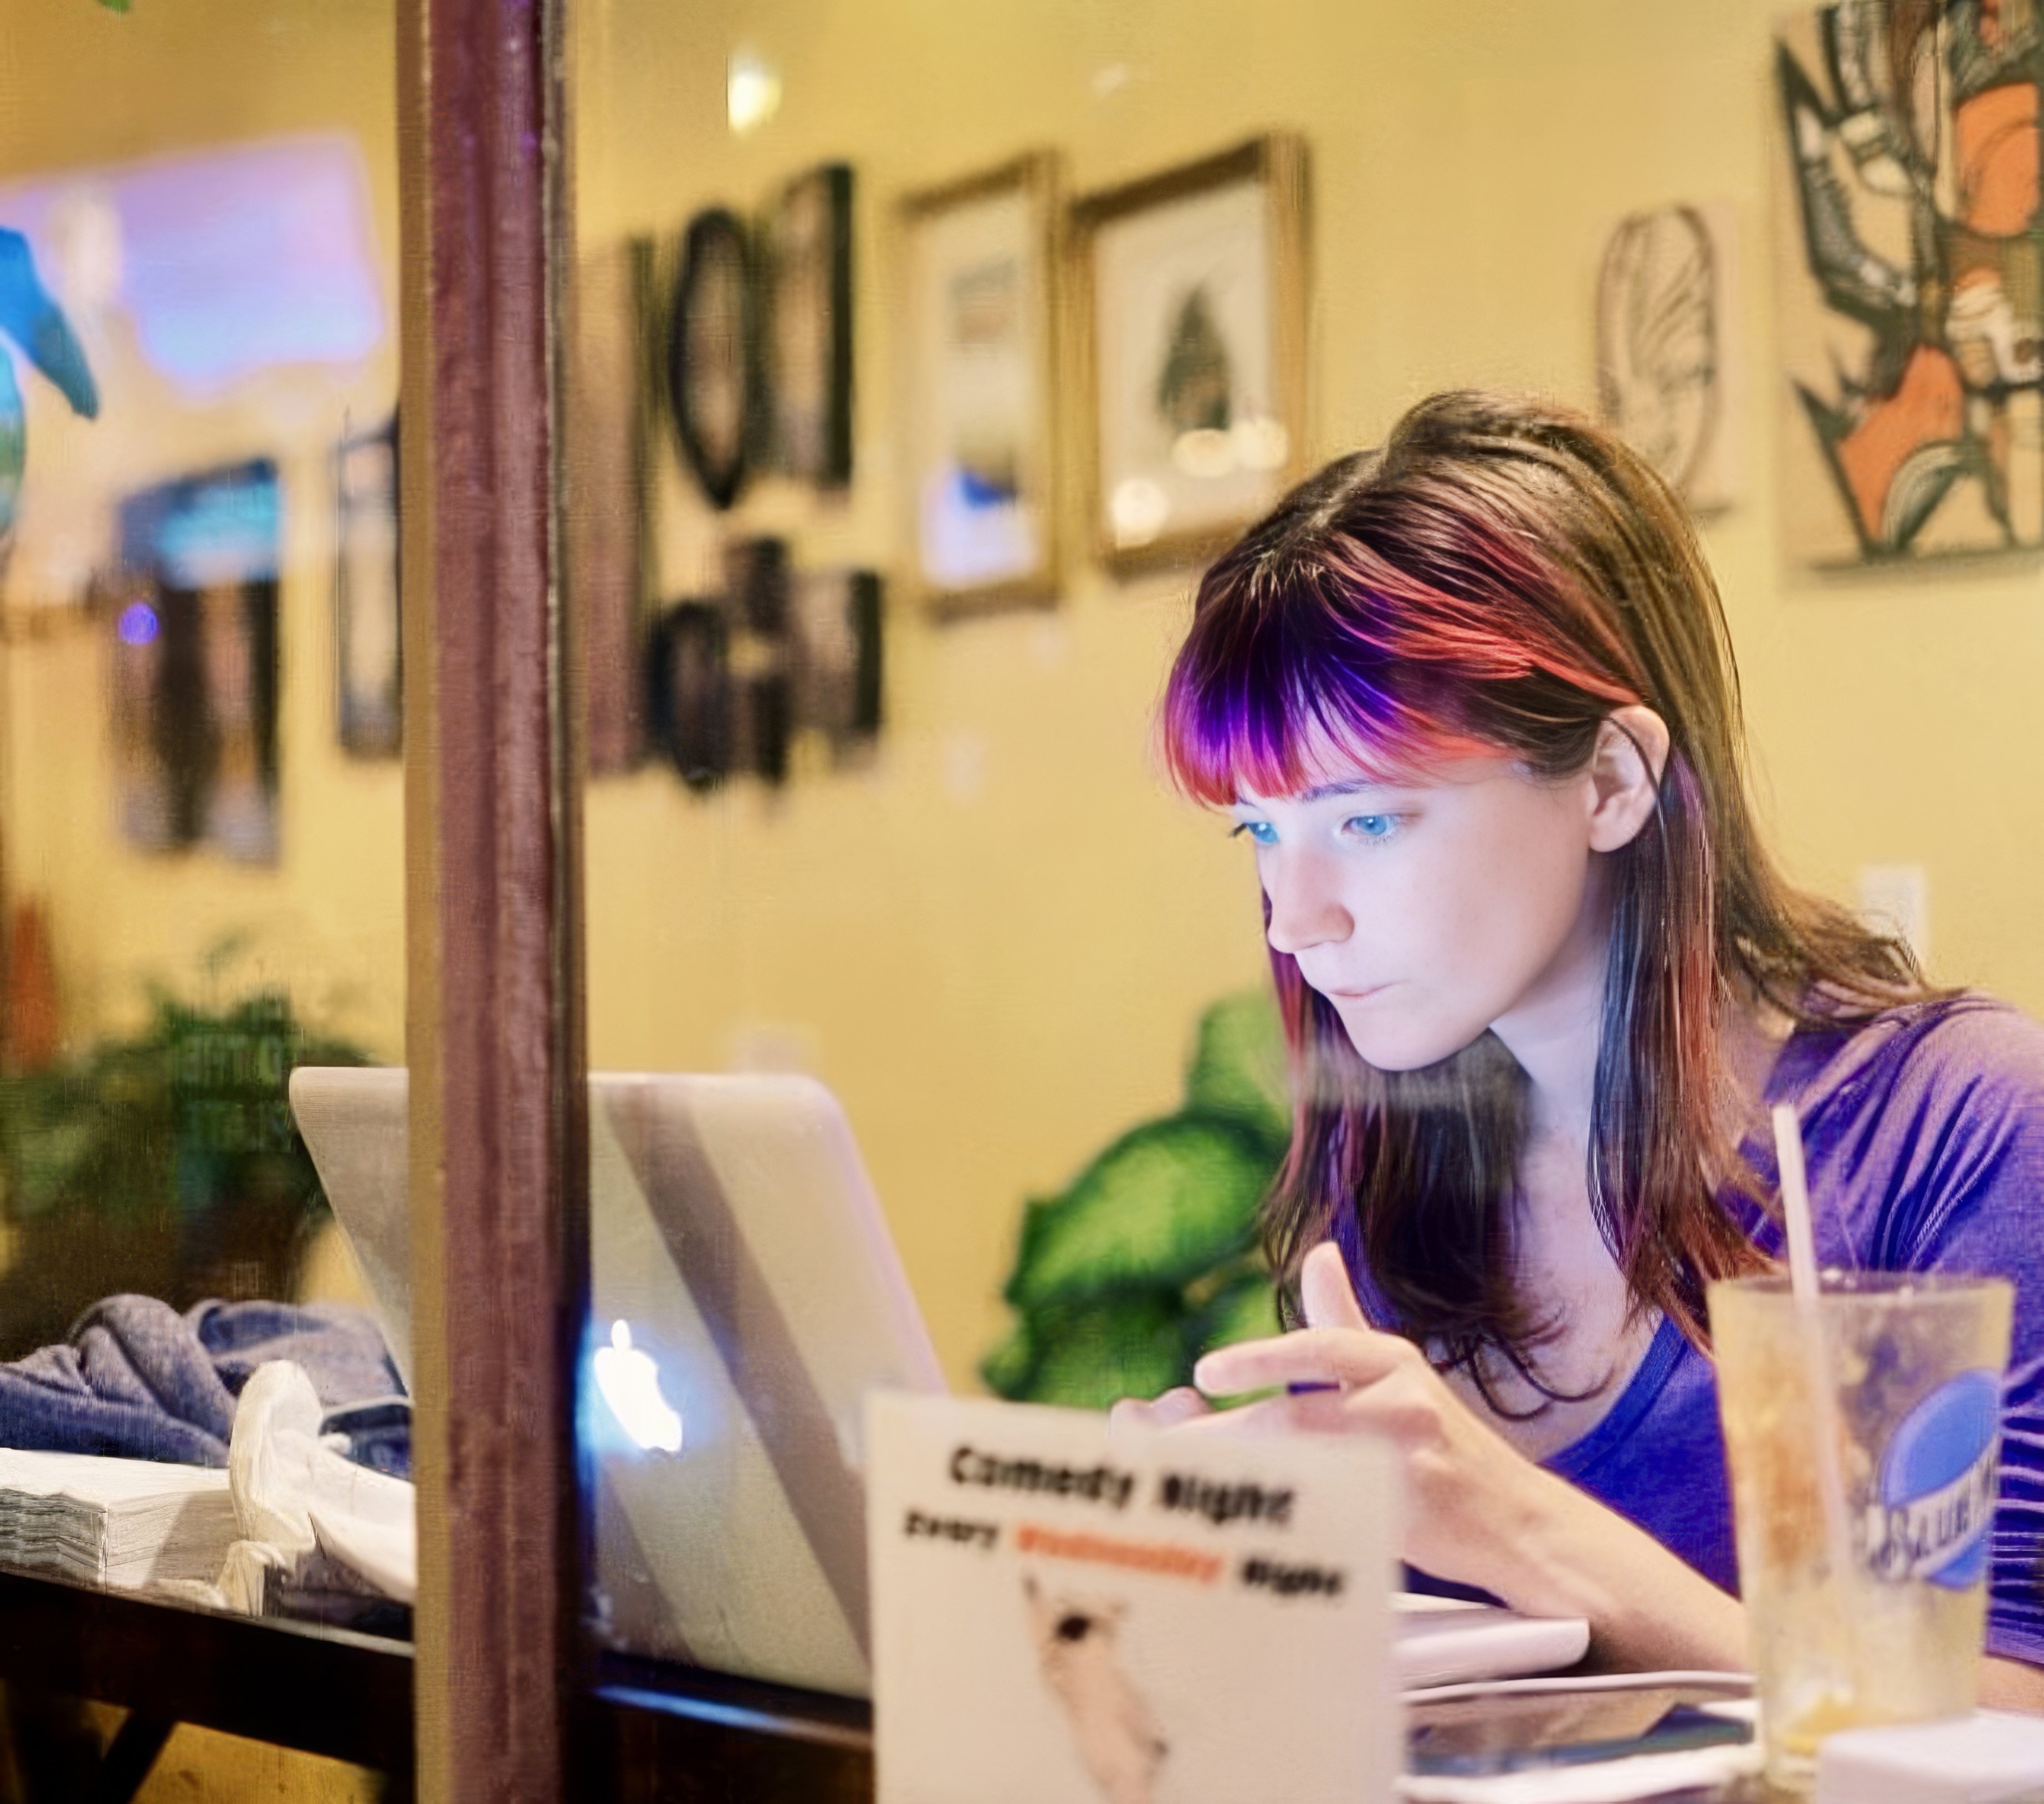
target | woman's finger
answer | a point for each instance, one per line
(1181, 1404)
(1325, 1293)
(1269, 1417)
(1381, 1408)
(1310, 1356)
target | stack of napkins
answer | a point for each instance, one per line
(122, 1525)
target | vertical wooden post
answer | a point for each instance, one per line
(498, 1146)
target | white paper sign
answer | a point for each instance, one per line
(1062, 1618)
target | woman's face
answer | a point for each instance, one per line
(1428, 911)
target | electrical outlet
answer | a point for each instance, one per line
(1895, 898)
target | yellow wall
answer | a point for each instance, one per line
(82, 87)
(994, 943)
(994, 940)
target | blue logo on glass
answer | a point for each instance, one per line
(1933, 1495)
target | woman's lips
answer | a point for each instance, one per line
(1356, 995)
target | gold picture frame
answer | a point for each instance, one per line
(1191, 289)
(981, 264)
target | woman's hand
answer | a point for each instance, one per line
(1477, 1511)
(1471, 1499)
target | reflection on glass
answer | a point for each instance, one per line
(201, 875)
(39, 331)
(877, 805)
(870, 821)
(746, 1295)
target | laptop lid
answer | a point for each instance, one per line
(746, 1296)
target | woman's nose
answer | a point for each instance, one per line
(1306, 908)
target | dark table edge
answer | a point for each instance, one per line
(349, 1696)
(320, 1691)
(663, 1734)
(735, 1716)
(753, 1706)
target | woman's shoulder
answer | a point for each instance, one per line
(1928, 1116)
(1962, 1049)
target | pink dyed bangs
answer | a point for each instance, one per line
(1344, 666)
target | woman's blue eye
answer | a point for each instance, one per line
(1260, 831)
(1372, 826)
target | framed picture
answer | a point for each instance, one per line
(757, 593)
(195, 665)
(755, 584)
(835, 650)
(1668, 370)
(607, 518)
(1192, 287)
(807, 259)
(712, 344)
(980, 267)
(688, 700)
(369, 685)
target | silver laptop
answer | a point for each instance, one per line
(746, 1296)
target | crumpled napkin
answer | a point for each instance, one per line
(303, 1510)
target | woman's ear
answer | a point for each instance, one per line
(1625, 775)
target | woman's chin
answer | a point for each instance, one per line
(1404, 1046)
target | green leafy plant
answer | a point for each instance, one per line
(187, 1115)
(1150, 1257)
(165, 1161)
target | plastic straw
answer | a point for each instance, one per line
(1796, 1205)
(1816, 1360)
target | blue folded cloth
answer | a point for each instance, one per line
(140, 1381)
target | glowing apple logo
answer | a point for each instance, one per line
(630, 1383)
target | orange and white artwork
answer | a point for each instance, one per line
(1913, 280)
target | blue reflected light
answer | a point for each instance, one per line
(230, 261)
(223, 527)
(225, 531)
(137, 624)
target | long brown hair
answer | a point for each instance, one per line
(1505, 573)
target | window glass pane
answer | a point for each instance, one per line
(200, 815)
(923, 357)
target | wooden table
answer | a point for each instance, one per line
(649, 1732)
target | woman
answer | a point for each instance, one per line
(1471, 699)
